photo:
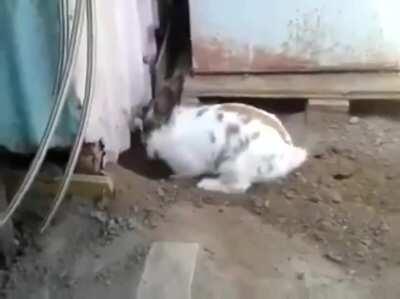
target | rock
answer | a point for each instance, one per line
(102, 203)
(120, 221)
(135, 209)
(391, 175)
(314, 198)
(150, 221)
(354, 120)
(360, 254)
(384, 226)
(332, 195)
(99, 216)
(300, 276)
(258, 202)
(334, 258)
(326, 226)
(366, 242)
(130, 224)
(267, 204)
(112, 224)
(344, 169)
(318, 237)
(351, 272)
(290, 194)
(161, 192)
(336, 198)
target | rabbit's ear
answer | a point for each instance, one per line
(164, 103)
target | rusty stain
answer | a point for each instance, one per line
(215, 56)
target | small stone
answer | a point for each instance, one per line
(334, 258)
(384, 227)
(112, 228)
(336, 197)
(135, 209)
(379, 266)
(360, 254)
(258, 211)
(314, 199)
(345, 169)
(325, 225)
(99, 216)
(351, 272)
(290, 194)
(131, 224)
(300, 276)
(258, 202)
(160, 192)
(319, 237)
(366, 242)
(71, 283)
(354, 120)
(267, 204)
(102, 203)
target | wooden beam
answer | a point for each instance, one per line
(348, 86)
(87, 186)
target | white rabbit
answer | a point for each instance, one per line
(232, 145)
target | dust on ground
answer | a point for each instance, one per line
(342, 208)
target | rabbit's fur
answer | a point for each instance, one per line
(233, 145)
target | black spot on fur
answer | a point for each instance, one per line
(212, 137)
(221, 157)
(201, 111)
(220, 116)
(243, 144)
(232, 129)
(269, 162)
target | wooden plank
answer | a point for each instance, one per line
(333, 105)
(349, 86)
(86, 186)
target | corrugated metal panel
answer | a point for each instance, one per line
(286, 35)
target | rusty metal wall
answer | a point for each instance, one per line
(291, 36)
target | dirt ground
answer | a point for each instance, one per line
(341, 209)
